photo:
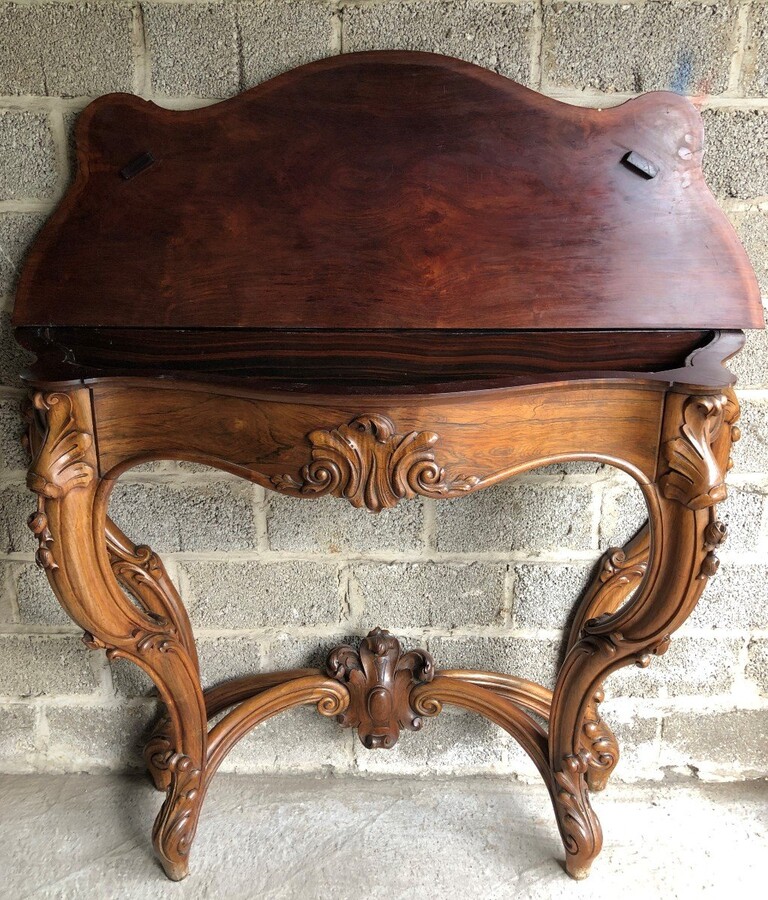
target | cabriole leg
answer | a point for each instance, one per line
(70, 524)
(683, 537)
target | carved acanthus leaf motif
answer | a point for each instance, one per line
(371, 465)
(579, 828)
(380, 677)
(695, 478)
(177, 821)
(140, 573)
(58, 466)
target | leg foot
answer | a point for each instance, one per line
(176, 823)
(578, 873)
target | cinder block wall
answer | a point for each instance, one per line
(484, 582)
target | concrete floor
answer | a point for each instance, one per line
(87, 836)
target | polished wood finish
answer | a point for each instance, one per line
(391, 187)
(379, 277)
(380, 677)
(675, 444)
(308, 359)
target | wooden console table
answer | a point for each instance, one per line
(378, 276)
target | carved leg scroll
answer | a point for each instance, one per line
(70, 524)
(683, 530)
(619, 572)
(141, 573)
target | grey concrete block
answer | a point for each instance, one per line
(214, 50)
(750, 454)
(27, 156)
(45, 665)
(193, 48)
(290, 651)
(545, 596)
(182, 517)
(623, 513)
(17, 736)
(16, 505)
(517, 517)
(253, 594)
(754, 67)
(639, 47)
(17, 230)
(752, 228)
(8, 614)
(13, 457)
(452, 742)
(35, 598)
(693, 666)
(281, 34)
(637, 734)
(223, 658)
(421, 595)
(757, 664)
(516, 761)
(745, 512)
(129, 680)
(734, 598)
(489, 34)
(13, 358)
(734, 741)
(95, 738)
(300, 740)
(751, 365)
(65, 49)
(331, 525)
(530, 658)
(735, 162)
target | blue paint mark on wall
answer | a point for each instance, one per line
(681, 80)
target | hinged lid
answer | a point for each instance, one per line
(390, 190)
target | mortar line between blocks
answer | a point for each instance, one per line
(537, 46)
(337, 30)
(740, 44)
(61, 150)
(142, 70)
(551, 558)
(508, 596)
(429, 527)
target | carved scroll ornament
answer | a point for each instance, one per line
(380, 677)
(371, 465)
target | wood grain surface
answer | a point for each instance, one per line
(389, 189)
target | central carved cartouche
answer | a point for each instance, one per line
(380, 677)
(371, 465)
